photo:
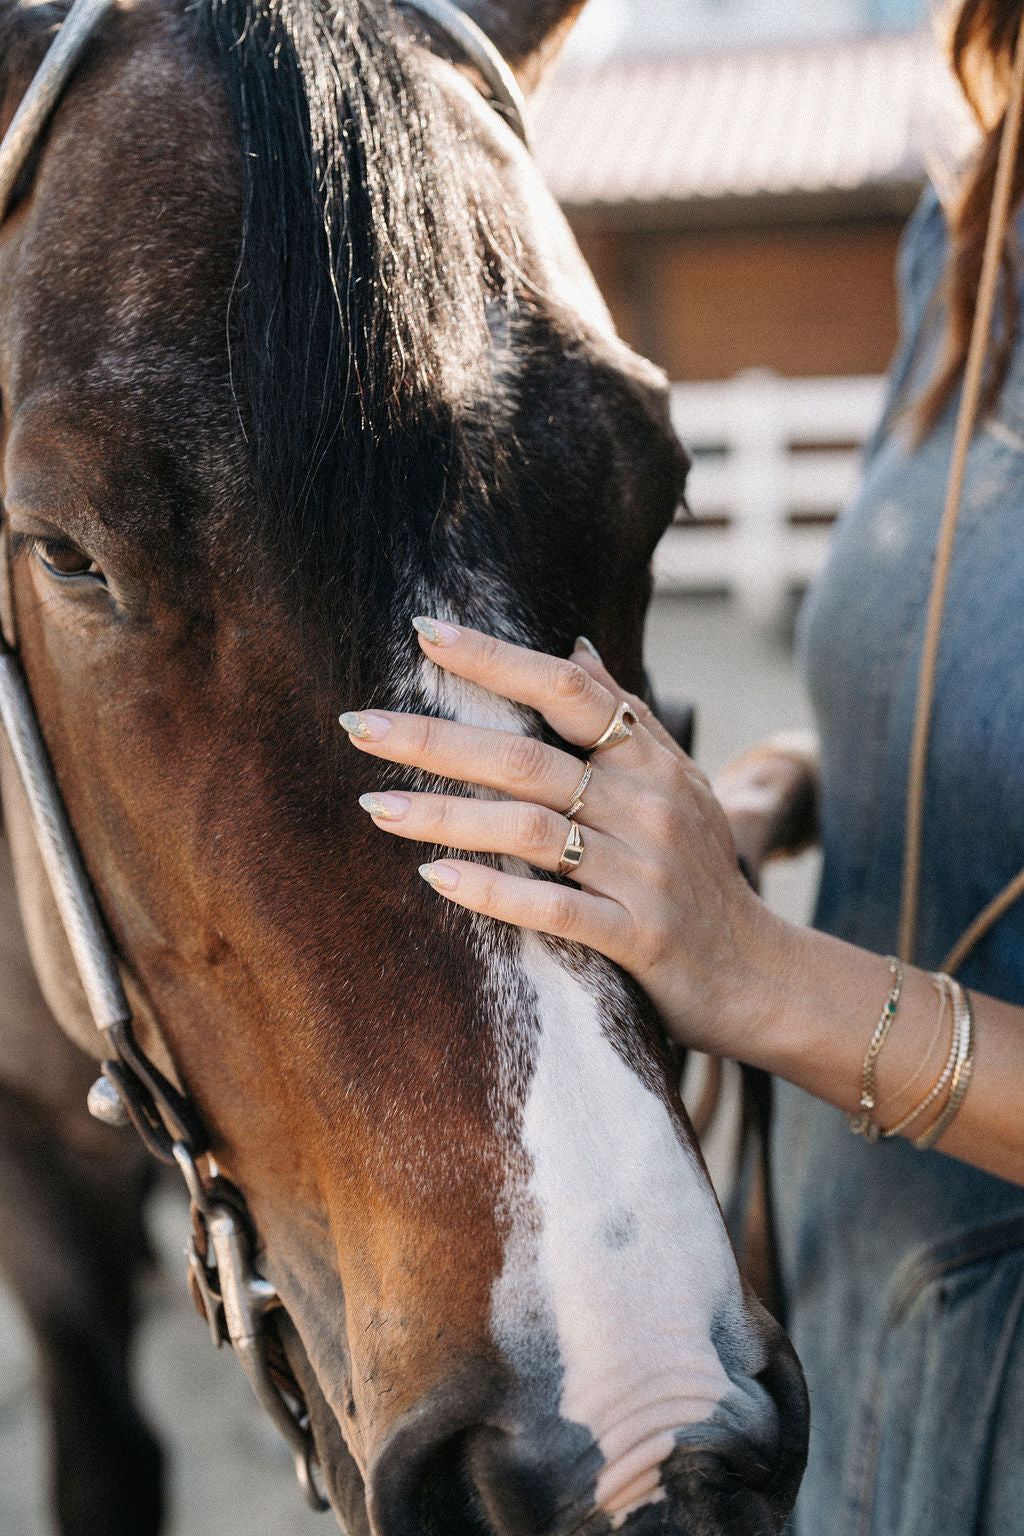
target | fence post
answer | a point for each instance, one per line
(759, 461)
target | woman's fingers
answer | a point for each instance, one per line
(522, 831)
(519, 766)
(587, 657)
(573, 702)
(561, 910)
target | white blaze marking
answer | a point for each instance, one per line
(618, 1251)
(619, 1248)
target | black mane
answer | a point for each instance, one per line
(364, 278)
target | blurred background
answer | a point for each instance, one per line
(738, 173)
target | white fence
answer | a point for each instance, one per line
(775, 461)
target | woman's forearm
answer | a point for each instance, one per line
(810, 1011)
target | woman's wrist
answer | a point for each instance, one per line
(804, 1005)
(744, 1004)
(808, 1011)
(767, 1008)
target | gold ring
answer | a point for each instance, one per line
(572, 852)
(618, 728)
(576, 803)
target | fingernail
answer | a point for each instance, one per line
(581, 643)
(385, 807)
(443, 877)
(364, 727)
(436, 632)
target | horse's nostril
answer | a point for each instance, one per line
(535, 1483)
(450, 1504)
(484, 1482)
(467, 1462)
(463, 1464)
(783, 1380)
(419, 1484)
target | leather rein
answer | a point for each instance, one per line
(230, 1293)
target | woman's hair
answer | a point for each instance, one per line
(982, 48)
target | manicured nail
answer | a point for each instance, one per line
(436, 632)
(581, 643)
(385, 807)
(443, 877)
(364, 727)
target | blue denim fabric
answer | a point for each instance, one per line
(904, 1271)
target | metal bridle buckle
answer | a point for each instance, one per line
(233, 1296)
(236, 1300)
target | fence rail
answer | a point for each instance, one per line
(775, 461)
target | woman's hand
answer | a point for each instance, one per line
(657, 889)
(770, 796)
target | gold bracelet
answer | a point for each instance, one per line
(911, 1082)
(863, 1124)
(947, 990)
(961, 1078)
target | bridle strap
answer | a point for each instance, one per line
(42, 95)
(476, 47)
(90, 945)
(234, 1298)
(231, 1294)
(72, 890)
(84, 16)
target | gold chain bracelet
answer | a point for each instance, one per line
(865, 1124)
(947, 990)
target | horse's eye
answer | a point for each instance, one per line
(64, 560)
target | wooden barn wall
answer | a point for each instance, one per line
(804, 301)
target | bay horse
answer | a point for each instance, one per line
(293, 346)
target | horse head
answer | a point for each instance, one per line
(293, 346)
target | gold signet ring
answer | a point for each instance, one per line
(619, 727)
(572, 852)
(576, 803)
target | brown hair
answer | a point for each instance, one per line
(982, 48)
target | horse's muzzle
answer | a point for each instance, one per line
(463, 1464)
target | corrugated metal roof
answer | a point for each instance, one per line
(806, 119)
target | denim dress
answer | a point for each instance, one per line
(904, 1271)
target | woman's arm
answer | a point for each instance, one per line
(658, 891)
(770, 798)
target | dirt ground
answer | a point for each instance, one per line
(230, 1473)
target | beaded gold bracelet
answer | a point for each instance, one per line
(864, 1124)
(961, 1075)
(948, 991)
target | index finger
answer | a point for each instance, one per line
(574, 703)
(521, 766)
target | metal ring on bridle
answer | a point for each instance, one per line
(619, 727)
(505, 93)
(572, 852)
(576, 801)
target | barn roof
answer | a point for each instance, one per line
(766, 122)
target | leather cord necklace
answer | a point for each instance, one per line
(999, 217)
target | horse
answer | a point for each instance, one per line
(295, 345)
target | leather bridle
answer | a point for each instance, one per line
(235, 1299)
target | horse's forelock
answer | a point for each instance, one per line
(363, 264)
